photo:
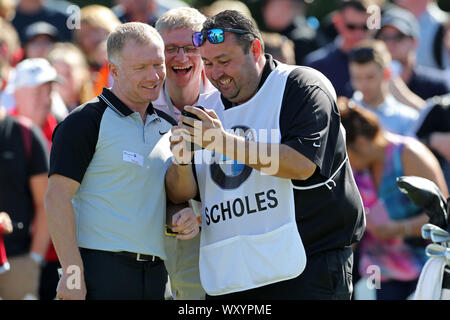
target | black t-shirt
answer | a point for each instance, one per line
(428, 82)
(437, 120)
(310, 123)
(16, 170)
(333, 63)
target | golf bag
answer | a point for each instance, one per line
(434, 280)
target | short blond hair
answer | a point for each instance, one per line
(70, 54)
(183, 17)
(141, 33)
(101, 17)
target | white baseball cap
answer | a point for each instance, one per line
(32, 73)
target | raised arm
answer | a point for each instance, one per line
(275, 159)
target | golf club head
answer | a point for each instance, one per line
(426, 195)
(435, 250)
(426, 230)
(439, 235)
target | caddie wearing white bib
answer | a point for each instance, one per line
(280, 208)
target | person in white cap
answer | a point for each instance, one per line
(32, 88)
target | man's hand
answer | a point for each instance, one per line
(5, 223)
(71, 289)
(186, 223)
(207, 133)
(179, 145)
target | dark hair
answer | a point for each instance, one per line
(357, 120)
(235, 20)
(371, 50)
(359, 5)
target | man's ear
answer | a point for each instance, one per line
(256, 49)
(113, 70)
(387, 73)
(338, 24)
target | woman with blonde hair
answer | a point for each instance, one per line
(72, 67)
(97, 22)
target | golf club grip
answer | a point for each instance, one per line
(446, 278)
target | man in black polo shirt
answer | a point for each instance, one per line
(23, 181)
(263, 237)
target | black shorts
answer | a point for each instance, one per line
(327, 276)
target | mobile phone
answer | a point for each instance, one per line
(169, 232)
(191, 115)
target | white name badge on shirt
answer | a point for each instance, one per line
(133, 158)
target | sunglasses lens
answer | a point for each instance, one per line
(197, 39)
(215, 36)
(356, 27)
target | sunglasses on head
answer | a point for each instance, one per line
(214, 36)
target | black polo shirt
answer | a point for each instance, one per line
(327, 218)
(120, 162)
(16, 170)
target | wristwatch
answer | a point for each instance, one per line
(39, 259)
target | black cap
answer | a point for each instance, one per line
(41, 28)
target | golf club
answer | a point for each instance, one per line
(440, 236)
(426, 230)
(435, 250)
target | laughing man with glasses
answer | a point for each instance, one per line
(184, 83)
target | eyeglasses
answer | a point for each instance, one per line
(188, 50)
(392, 37)
(351, 26)
(214, 36)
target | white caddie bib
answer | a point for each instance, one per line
(249, 234)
